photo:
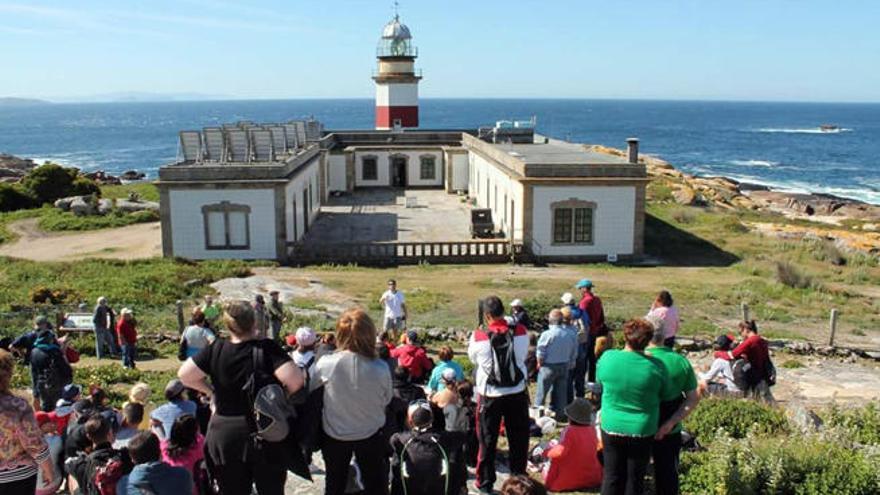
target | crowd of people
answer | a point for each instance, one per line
(248, 407)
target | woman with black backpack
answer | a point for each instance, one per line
(234, 460)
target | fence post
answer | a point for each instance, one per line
(180, 321)
(745, 311)
(833, 323)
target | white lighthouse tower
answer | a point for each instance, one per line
(397, 82)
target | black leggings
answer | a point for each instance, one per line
(26, 486)
(626, 461)
(666, 454)
(234, 466)
(371, 455)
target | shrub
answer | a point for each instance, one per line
(732, 224)
(467, 367)
(735, 417)
(861, 425)
(13, 197)
(47, 295)
(51, 181)
(789, 275)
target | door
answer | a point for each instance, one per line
(305, 211)
(398, 172)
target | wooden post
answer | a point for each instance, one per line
(180, 321)
(745, 311)
(833, 322)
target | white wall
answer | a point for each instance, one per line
(460, 177)
(613, 219)
(412, 172)
(188, 229)
(336, 172)
(500, 187)
(293, 193)
(397, 95)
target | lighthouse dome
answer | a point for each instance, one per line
(396, 30)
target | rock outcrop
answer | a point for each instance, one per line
(13, 168)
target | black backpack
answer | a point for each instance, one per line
(56, 373)
(423, 465)
(505, 371)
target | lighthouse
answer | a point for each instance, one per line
(397, 82)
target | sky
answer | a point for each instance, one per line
(758, 50)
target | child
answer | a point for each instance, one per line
(132, 417)
(304, 355)
(574, 464)
(126, 330)
(56, 447)
(445, 355)
(185, 446)
(103, 466)
(140, 394)
(150, 475)
(404, 393)
(719, 380)
(420, 463)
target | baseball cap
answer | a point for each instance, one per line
(305, 336)
(126, 311)
(584, 283)
(516, 303)
(173, 389)
(448, 375)
(70, 392)
(567, 298)
(63, 408)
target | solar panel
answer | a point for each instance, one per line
(261, 140)
(290, 133)
(313, 130)
(213, 141)
(279, 140)
(191, 145)
(246, 124)
(238, 145)
(230, 126)
(300, 133)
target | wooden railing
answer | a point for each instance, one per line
(407, 253)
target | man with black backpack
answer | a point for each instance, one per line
(49, 369)
(498, 351)
(98, 471)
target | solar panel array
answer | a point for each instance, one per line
(245, 142)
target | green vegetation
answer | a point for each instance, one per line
(862, 425)
(734, 418)
(54, 219)
(146, 191)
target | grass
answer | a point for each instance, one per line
(146, 190)
(54, 220)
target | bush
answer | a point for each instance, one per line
(789, 275)
(13, 198)
(50, 181)
(735, 417)
(732, 224)
(467, 367)
(861, 425)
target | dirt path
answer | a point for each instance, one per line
(142, 240)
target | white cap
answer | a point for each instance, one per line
(126, 311)
(516, 302)
(567, 298)
(305, 336)
(546, 424)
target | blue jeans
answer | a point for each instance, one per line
(553, 377)
(104, 340)
(576, 376)
(129, 351)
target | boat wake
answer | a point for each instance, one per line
(808, 130)
(754, 163)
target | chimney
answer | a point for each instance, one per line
(632, 150)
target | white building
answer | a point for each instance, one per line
(251, 191)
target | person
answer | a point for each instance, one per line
(403, 392)
(594, 315)
(755, 350)
(498, 352)
(679, 399)
(49, 369)
(24, 451)
(576, 322)
(357, 389)
(394, 303)
(574, 462)
(56, 447)
(633, 384)
(261, 315)
(102, 465)
(413, 358)
(522, 485)
(275, 310)
(556, 354)
(304, 354)
(421, 461)
(151, 476)
(211, 310)
(326, 347)
(103, 319)
(445, 355)
(231, 457)
(519, 314)
(164, 416)
(132, 417)
(140, 394)
(663, 310)
(198, 334)
(719, 379)
(126, 331)
(185, 446)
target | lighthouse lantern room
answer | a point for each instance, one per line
(397, 82)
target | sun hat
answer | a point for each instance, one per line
(448, 375)
(516, 303)
(305, 336)
(584, 283)
(174, 389)
(567, 298)
(71, 392)
(580, 411)
(140, 393)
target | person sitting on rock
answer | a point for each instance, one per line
(719, 380)
(413, 358)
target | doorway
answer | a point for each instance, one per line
(398, 171)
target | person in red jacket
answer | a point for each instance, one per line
(756, 351)
(412, 356)
(574, 462)
(126, 331)
(590, 305)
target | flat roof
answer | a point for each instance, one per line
(557, 153)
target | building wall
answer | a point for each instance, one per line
(459, 172)
(613, 219)
(397, 94)
(336, 172)
(295, 208)
(188, 225)
(494, 189)
(383, 177)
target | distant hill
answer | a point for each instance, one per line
(21, 102)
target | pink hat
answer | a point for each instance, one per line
(305, 336)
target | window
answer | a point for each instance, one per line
(573, 222)
(428, 170)
(227, 226)
(370, 168)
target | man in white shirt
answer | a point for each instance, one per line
(395, 310)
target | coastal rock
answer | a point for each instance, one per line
(128, 206)
(685, 196)
(804, 419)
(11, 162)
(103, 178)
(132, 175)
(80, 207)
(63, 204)
(104, 206)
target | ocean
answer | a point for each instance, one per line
(774, 144)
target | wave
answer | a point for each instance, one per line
(868, 194)
(754, 163)
(807, 130)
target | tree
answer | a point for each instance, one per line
(12, 198)
(51, 181)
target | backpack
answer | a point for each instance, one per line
(56, 374)
(771, 372)
(424, 465)
(270, 411)
(107, 475)
(741, 369)
(505, 371)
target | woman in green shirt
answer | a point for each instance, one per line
(633, 383)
